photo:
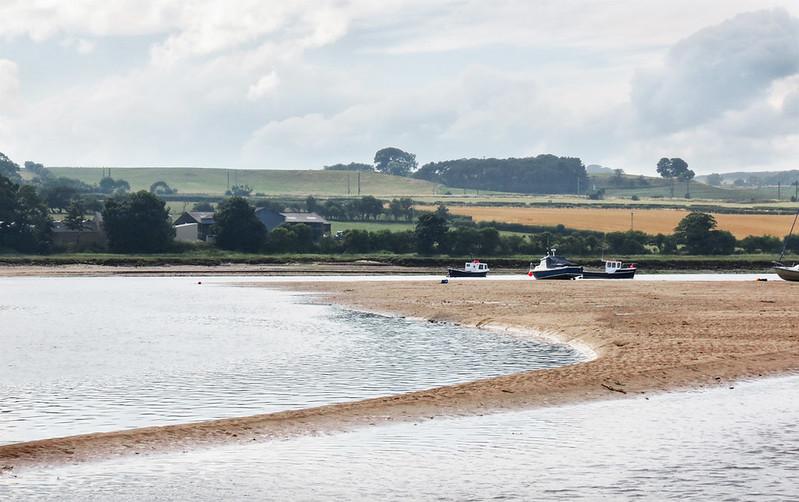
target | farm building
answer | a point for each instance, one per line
(273, 219)
(187, 232)
(91, 236)
(204, 221)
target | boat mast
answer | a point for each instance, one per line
(785, 242)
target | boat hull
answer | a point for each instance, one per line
(454, 272)
(619, 274)
(563, 273)
(787, 273)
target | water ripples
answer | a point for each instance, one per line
(102, 354)
(732, 445)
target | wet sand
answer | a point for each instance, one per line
(648, 337)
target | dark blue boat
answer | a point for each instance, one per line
(553, 266)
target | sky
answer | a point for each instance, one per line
(303, 84)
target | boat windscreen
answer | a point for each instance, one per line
(558, 261)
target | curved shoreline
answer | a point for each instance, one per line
(700, 334)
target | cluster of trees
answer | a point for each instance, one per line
(676, 169)
(137, 223)
(389, 160)
(25, 224)
(109, 185)
(365, 208)
(162, 188)
(239, 191)
(544, 174)
(620, 180)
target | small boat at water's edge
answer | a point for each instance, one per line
(614, 269)
(787, 273)
(553, 266)
(470, 269)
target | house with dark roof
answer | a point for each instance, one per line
(203, 219)
(273, 219)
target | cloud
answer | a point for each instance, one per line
(9, 84)
(718, 69)
(480, 113)
(264, 86)
(268, 83)
(80, 45)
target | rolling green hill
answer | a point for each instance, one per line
(660, 187)
(190, 180)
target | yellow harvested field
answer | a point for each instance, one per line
(651, 221)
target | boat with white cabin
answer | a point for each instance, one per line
(474, 268)
(614, 269)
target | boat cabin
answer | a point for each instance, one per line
(552, 261)
(475, 266)
(613, 266)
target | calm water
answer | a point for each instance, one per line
(723, 444)
(82, 355)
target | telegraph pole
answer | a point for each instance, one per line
(632, 226)
(779, 190)
(359, 183)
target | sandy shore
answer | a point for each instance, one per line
(647, 336)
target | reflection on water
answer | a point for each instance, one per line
(97, 354)
(740, 444)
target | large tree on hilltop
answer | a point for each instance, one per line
(394, 161)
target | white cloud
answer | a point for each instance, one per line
(264, 86)
(724, 67)
(9, 84)
(268, 83)
(80, 45)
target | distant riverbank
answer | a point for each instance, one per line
(239, 263)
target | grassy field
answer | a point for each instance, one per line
(661, 187)
(652, 221)
(269, 182)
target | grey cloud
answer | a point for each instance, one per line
(720, 68)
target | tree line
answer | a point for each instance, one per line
(543, 174)
(362, 209)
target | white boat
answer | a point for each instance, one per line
(785, 272)
(614, 269)
(473, 268)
